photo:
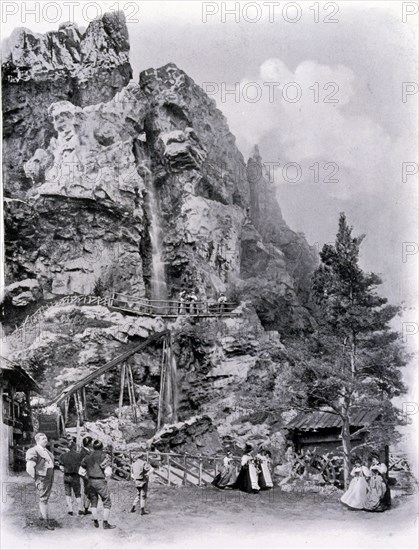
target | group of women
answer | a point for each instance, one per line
(368, 489)
(254, 474)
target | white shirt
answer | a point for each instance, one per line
(45, 454)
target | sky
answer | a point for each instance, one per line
(317, 85)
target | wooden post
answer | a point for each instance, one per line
(84, 401)
(78, 422)
(160, 417)
(121, 393)
(185, 474)
(131, 391)
(168, 469)
(200, 472)
(66, 406)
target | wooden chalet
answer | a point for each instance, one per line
(321, 430)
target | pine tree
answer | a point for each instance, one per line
(353, 358)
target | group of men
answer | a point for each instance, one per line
(188, 302)
(90, 466)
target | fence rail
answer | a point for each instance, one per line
(129, 304)
(173, 469)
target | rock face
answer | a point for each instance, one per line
(84, 218)
(38, 70)
(94, 162)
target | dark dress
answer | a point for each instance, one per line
(378, 493)
(227, 476)
(247, 480)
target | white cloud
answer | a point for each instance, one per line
(327, 123)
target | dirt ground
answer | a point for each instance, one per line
(207, 517)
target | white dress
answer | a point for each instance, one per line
(356, 494)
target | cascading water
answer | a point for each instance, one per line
(158, 281)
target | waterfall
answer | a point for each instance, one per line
(158, 281)
(168, 388)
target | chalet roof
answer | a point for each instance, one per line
(14, 371)
(305, 421)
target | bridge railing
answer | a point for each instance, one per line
(173, 307)
(31, 326)
(171, 468)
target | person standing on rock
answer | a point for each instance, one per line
(97, 468)
(140, 472)
(40, 466)
(84, 451)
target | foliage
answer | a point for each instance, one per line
(353, 358)
(99, 289)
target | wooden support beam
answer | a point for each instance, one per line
(131, 392)
(84, 402)
(163, 368)
(168, 469)
(121, 393)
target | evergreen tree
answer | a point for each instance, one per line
(353, 358)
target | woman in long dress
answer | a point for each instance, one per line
(227, 476)
(356, 494)
(263, 461)
(378, 493)
(247, 480)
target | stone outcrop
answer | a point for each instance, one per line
(84, 68)
(91, 160)
(197, 435)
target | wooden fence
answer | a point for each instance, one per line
(171, 469)
(31, 326)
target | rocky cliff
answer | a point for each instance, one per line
(93, 162)
(83, 68)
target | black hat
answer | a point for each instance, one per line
(86, 441)
(248, 448)
(97, 445)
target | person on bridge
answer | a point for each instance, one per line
(192, 299)
(40, 466)
(140, 472)
(96, 466)
(70, 464)
(84, 451)
(181, 303)
(222, 300)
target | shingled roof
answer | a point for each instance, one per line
(12, 369)
(325, 419)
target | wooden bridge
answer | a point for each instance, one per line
(170, 309)
(53, 423)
